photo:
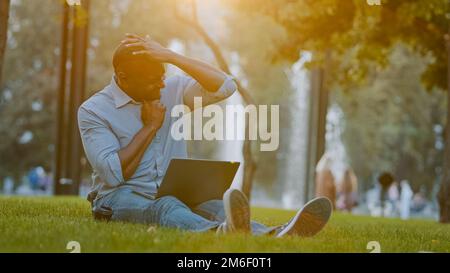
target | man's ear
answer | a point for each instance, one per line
(121, 78)
(121, 75)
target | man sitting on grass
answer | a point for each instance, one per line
(125, 129)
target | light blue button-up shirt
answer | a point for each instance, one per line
(110, 119)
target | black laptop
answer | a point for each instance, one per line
(195, 181)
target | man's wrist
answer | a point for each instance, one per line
(172, 57)
(150, 128)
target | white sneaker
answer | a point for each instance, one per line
(310, 219)
(237, 211)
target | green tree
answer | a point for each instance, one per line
(253, 40)
(357, 35)
(394, 124)
(261, 82)
(30, 74)
(28, 91)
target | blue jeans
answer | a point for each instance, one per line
(168, 211)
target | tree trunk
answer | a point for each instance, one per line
(444, 192)
(249, 162)
(71, 92)
(4, 14)
(318, 103)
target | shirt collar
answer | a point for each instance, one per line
(120, 97)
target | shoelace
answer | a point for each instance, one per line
(222, 228)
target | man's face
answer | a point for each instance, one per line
(143, 81)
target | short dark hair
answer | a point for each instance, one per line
(124, 55)
(385, 179)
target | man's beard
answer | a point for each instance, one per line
(152, 95)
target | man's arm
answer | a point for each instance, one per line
(207, 82)
(208, 76)
(131, 155)
(152, 115)
(213, 84)
(102, 148)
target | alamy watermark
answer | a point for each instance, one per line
(223, 126)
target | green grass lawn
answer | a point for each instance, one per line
(47, 224)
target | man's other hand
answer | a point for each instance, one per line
(153, 113)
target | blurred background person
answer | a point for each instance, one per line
(8, 186)
(348, 191)
(325, 181)
(419, 202)
(406, 195)
(393, 199)
(385, 180)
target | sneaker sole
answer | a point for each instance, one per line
(237, 210)
(310, 220)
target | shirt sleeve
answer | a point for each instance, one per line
(101, 147)
(192, 88)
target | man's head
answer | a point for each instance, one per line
(141, 78)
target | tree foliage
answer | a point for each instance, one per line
(390, 120)
(358, 34)
(29, 83)
(394, 124)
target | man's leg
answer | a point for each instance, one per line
(307, 222)
(167, 211)
(213, 210)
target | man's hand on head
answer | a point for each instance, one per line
(208, 77)
(153, 113)
(147, 47)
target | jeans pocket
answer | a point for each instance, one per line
(144, 194)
